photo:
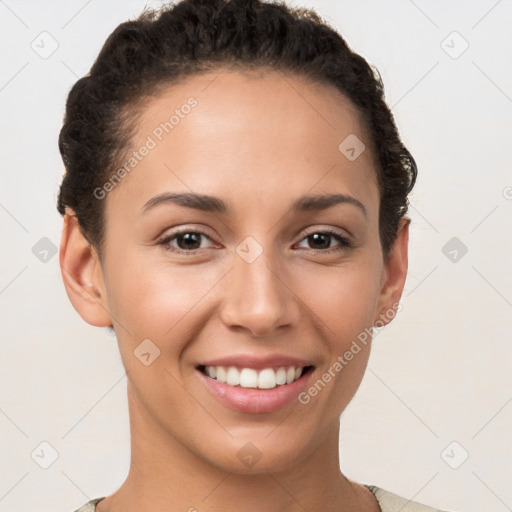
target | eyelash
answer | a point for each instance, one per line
(344, 241)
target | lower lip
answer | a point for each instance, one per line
(254, 400)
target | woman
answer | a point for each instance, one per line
(234, 207)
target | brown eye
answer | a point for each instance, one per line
(319, 241)
(184, 241)
(323, 241)
(189, 241)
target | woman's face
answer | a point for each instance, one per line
(254, 281)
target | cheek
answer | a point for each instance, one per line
(344, 299)
(159, 303)
(157, 300)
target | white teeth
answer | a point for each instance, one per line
(233, 376)
(281, 377)
(220, 372)
(250, 378)
(267, 379)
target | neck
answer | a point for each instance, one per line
(164, 475)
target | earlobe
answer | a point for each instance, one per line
(394, 274)
(82, 274)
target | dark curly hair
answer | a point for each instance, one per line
(179, 40)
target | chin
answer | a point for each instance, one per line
(258, 454)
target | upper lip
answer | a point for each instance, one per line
(258, 363)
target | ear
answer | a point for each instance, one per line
(394, 275)
(82, 274)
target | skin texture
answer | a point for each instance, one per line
(258, 141)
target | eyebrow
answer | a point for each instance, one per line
(208, 203)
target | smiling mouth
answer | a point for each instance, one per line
(267, 378)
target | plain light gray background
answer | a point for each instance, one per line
(438, 386)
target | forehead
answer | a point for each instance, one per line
(251, 133)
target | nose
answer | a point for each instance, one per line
(257, 297)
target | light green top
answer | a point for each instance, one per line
(388, 501)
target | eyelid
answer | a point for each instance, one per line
(180, 229)
(326, 229)
(166, 239)
(345, 242)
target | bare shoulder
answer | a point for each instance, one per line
(366, 498)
